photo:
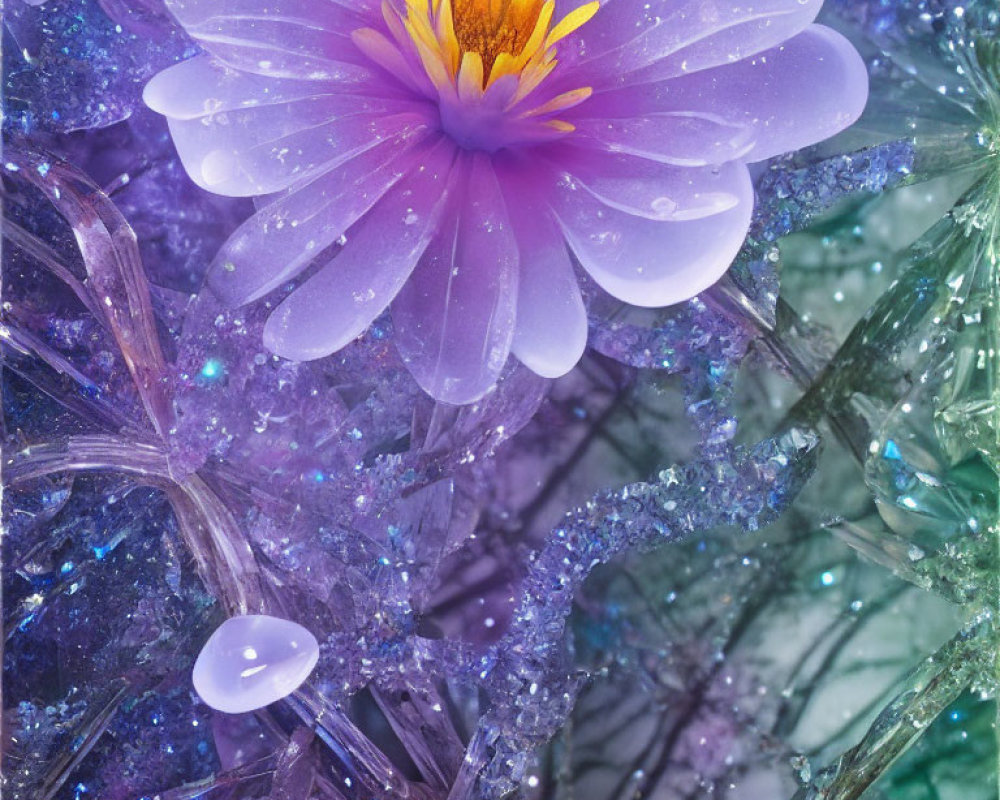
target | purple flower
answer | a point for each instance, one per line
(462, 153)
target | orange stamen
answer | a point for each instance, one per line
(508, 37)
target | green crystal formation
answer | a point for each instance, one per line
(931, 408)
(856, 641)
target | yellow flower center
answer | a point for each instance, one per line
(494, 27)
(468, 45)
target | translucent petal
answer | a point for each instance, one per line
(800, 93)
(650, 189)
(686, 139)
(278, 242)
(454, 319)
(202, 87)
(551, 331)
(629, 35)
(646, 262)
(307, 39)
(340, 302)
(266, 149)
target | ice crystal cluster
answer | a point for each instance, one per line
(748, 548)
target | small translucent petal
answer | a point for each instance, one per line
(252, 661)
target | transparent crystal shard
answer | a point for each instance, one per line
(928, 691)
(913, 393)
(932, 462)
(966, 418)
(956, 755)
(931, 346)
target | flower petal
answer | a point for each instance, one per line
(795, 95)
(202, 87)
(685, 139)
(241, 134)
(652, 190)
(340, 302)
(307, 39)
(650, 263)
(261, 150)
(812, 87)
(455, 317)
(551, 330)
(280, 240)
(629, 35)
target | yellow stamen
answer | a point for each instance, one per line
(466, 46)
(444, 29)
(573, 20)
(512, 63)
(532, 78)
(560, 126)
(470, 77)
(495, 27)
(560, 102)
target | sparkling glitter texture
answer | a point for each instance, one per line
(519, 596)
